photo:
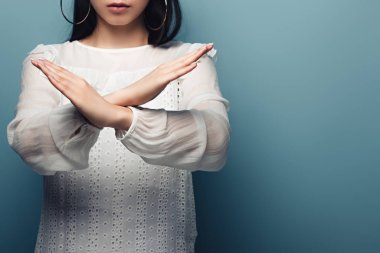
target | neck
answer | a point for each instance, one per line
(105, 35)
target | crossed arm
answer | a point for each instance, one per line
(54, 138)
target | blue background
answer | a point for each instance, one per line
(303, 81)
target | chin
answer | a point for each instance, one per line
(118, 21)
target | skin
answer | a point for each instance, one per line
(117, 31)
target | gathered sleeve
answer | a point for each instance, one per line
(194, 138)
(47, 136)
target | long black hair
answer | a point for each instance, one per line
(154, 16)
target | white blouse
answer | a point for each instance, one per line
(109, 189)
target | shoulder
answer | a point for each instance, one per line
(45, 51)
(179, 48)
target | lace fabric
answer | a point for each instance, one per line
(115, 190)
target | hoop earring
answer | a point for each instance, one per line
(163, 22)
(88, 12)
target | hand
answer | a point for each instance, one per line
(85, 98)
(152, 84)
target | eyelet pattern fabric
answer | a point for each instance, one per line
(114, 190)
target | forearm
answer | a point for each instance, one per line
(195, 139)
(52, 139)
(121, 97)
(136, 93)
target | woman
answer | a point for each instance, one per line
(116, 119)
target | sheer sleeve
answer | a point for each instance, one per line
(195, 138)
(48, 137)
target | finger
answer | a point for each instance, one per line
(182, 71)
(51, 75)
(192, 56)
(39, 64)
(45, 68)
(61, 72)
(51, 70)
(191, 59)
(197, 55)
(54, 77)
(56, 67)
(36, 63)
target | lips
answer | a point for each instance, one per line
(118, 4)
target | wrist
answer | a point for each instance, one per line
(123, 117)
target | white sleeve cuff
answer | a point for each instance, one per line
(73, 135)
(120, 134)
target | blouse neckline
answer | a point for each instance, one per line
(112, 50)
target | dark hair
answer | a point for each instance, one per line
(154, 13)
